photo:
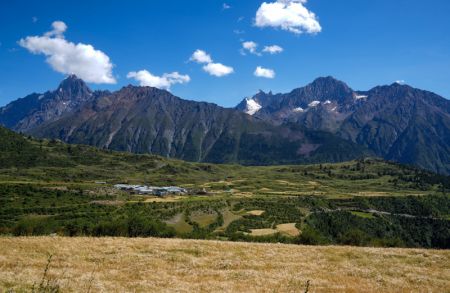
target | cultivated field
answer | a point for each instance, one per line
(163, 265)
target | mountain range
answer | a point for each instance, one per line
(396, 122)
(325, 121)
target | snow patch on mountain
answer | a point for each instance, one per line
(252, 106)
(314, 104)
(298, 110)
(359, 97)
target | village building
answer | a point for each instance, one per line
(151, 190)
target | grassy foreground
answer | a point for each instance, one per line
(163, 265)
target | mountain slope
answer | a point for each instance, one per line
(321, 105)
(149, 120)
(396, 122)
(17, 151)
(51, 160)
(403, 124)
(33, 110)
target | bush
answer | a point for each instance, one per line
(310, 236)
(134, 226)
(33, 226)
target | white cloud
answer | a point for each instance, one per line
(215, 69)
(165, 81)
(201, 56)
(218, 69)
(69, 58)
(226, 6)
(290, 15)
(264, 72)
(251, 47)
(274, 49)
(34, 19)
(401, 81)
(58, 30)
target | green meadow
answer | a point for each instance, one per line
(48, 187)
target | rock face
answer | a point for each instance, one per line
(396, 122)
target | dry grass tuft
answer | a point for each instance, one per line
(168, 265)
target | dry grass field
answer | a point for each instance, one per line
(255, 213)
(175, 265)
(288, 229)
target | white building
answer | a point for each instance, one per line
(159, 191)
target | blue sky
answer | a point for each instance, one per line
(364, 43)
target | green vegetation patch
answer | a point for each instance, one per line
(362, 214)
(204, 219)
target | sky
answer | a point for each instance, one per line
(223, 51)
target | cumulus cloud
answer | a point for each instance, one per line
(218, 69)
(274, 49)
(145, 78)
(201, 56)
(226, 6)
(251, 47)
(290, 15)
(215, 69)
(69, 58)
(58, 30)
(264, 72)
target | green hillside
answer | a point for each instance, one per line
(50, 187)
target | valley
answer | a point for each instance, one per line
(49, 187)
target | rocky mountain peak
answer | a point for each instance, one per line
(74, 87)
(329, 84)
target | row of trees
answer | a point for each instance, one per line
(132, 226)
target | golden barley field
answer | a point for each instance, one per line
(176, 265)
